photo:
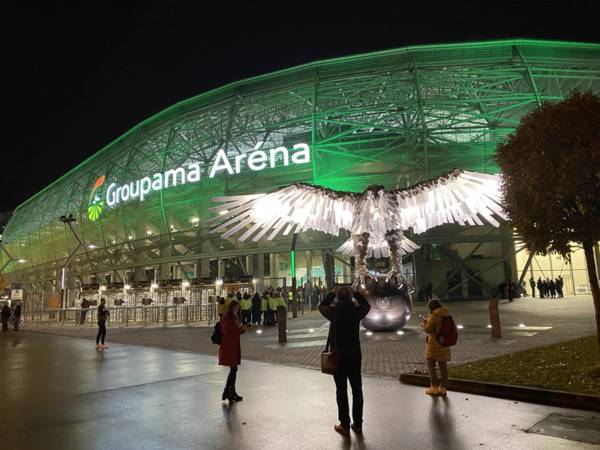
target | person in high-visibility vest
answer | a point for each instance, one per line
(274, 302)
(246, 304)
(264, 309)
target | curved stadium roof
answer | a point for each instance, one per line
(393, 117)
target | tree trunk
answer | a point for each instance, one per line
(588, 248)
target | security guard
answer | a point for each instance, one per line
(246, 304)
(264, 309)
(274, 302)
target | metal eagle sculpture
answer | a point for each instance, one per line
(376, 218)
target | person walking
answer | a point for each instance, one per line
(344, 342)
(85, 306)
(510, 289)
(559, 286)
(4, 316)
(256, 309)
(532, 286)
(103, 314)
(436, 353)
(17, 316)
(230, 353)
(246, 304)
(552, 288)
(540, 286)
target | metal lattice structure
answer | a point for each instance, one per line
(392, 118)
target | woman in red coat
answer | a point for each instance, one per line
(230, 353)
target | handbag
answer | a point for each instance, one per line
(217, 337)
(328, 360)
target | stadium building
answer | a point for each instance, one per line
(140, 205)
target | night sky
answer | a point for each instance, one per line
(77, 77)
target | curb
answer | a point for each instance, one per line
(521, 393)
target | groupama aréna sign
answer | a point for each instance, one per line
(257, 160)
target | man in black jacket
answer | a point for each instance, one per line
(85, 306)
(344, 340)
(5, 314)
(103, 314)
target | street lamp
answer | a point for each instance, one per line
(68, 220)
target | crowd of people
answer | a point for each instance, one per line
(11, 315)
(258, 309)
(547, 288)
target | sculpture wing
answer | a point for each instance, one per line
(458, 197)
(295, 208)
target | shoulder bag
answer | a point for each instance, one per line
(328, 360)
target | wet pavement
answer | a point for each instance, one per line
(60, 393)
(527, 323)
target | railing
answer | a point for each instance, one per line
(124, 316)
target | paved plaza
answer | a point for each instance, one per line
(60, 393)
(526, 323)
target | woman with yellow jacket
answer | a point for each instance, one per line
(436, 353)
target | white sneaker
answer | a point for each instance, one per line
(104, 347)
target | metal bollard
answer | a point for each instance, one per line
(282, 324)
(495, 318)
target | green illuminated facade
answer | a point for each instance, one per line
(393, 118)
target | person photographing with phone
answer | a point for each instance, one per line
(441, 335)
(344, 341)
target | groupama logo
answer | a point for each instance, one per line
(96, 202)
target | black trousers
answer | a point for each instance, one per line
(5, 324)
(255, 315)
(349, 370)
(83, 314)
(101, 333)
(246, 316)
(231, 379)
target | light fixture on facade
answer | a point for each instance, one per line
(149, 233)
(223, 212)
(92, 246)
(126, 287)
(195, 220)
(22, 260)
(130, 237)
(185, 284)
(154, 285)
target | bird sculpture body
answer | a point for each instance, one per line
(376, 218)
